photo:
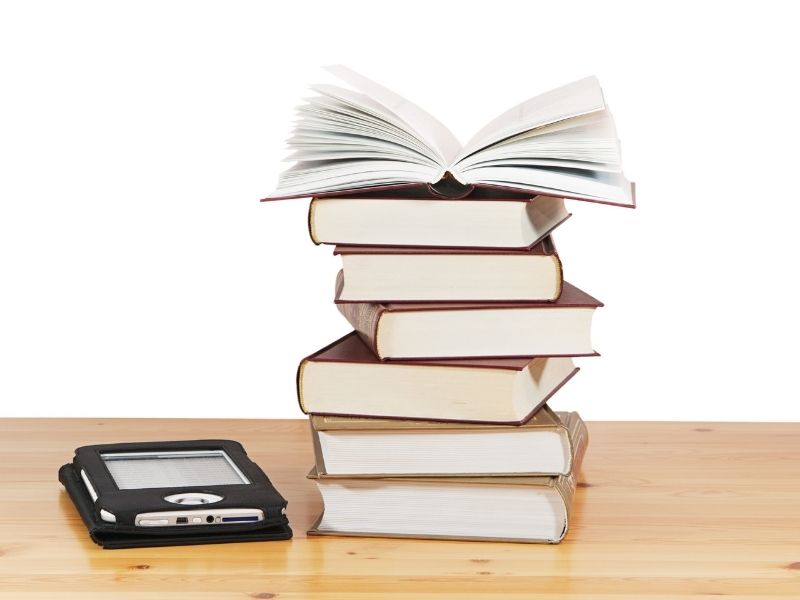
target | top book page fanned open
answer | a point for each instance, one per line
(365, 138)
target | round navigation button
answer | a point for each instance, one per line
(193, 498)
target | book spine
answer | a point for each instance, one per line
(319, 459)
(578, 435)
(363, 316)
(565, 485)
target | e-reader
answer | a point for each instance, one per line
(193, 491)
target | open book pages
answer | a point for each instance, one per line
(364, 137)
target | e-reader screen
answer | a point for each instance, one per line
(139, 470)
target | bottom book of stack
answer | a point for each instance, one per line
(426, 479)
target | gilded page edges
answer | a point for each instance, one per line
(299, 384)
(311, 229)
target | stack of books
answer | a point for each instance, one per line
(430, 418)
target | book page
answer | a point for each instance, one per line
(313, 177)
(423, 123)
(323, 114)
(578, 98)
(361, 102)
(573, 183)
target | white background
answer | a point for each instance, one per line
(140, 276)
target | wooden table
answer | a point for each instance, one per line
(665, 510)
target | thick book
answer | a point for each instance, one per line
(347, 379)
(506, 509)
(386, 274)
(422, 220)
(366, 137)
(475, 329)
(355, 447)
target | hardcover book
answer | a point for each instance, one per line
(386, 274)
(506, 509)
(355, 447)
(471, 329)
(346, 378)
(479, 221)
(365, 137)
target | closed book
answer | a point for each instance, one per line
(394, 274)
(505, 509)
(475, 329)
(477, 222)
(346, 378)
(355, 447)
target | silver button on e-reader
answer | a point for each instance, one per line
(193, 498)
(152, 522)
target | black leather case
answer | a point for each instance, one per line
(126, 504)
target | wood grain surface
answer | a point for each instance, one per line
(664, 510)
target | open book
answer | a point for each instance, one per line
(366, 138)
